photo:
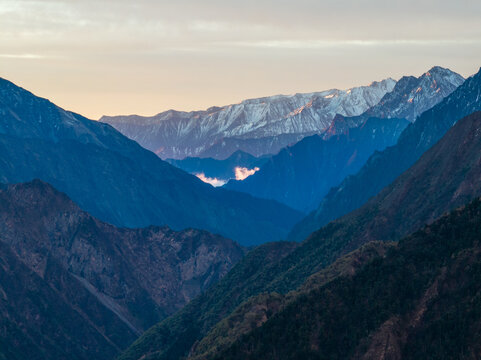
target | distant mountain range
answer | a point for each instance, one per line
(256, 126)
(73, 287)
(118, 181)
(383, 167)
(266, 125)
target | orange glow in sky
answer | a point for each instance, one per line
(123, 57)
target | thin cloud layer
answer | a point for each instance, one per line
(119, 56)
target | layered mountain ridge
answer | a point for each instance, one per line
(444, 178)
(301, 174)
(118, 181)
(77, 286)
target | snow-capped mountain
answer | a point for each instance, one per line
(412, 96)
(257, 126)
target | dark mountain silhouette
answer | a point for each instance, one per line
(118, 181)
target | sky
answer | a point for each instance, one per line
(142, 57)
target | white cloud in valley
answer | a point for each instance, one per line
(209, 180)
(242, 173)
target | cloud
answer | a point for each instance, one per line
(326, 44)
(213, 181)
(21, 56)
(167, 51)
(242, 173)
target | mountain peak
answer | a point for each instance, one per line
(412, 95)
(438, 69)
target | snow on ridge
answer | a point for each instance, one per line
(187, 133)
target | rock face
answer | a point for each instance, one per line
(383, 167)
(75, 287)
(118, 181)
(257, 126)
(301, 175)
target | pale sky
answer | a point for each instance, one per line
(143, 56)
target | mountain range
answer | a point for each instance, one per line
(107, 251)
(118, 181)
(73, 287)
(266, 125)
(445, 177)
(301, 175)
(383, 167)
(256, 126)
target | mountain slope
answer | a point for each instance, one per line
(383, 167)
(259, 309)
(38, 323)
(173, 337)
(257, 126)
(90, 287)
(301, 175)
(445, 177)
(118, 181)
(420, 301)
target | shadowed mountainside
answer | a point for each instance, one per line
(301, 175)
(75, 287)
(118, 181)
(419, 301)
